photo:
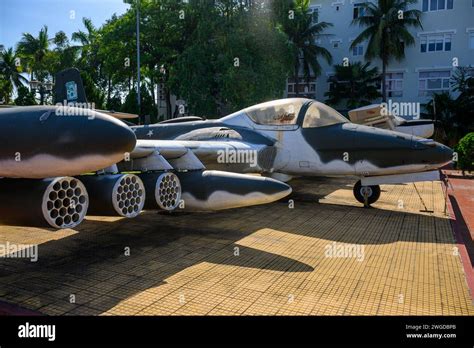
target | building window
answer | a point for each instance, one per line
(435, 43)
(471, 40)
(394, 83)
(306, 88)
(437, 5)
(359, 10)
(335, 43)
(433, 82)
(314, 15)
(358, 50)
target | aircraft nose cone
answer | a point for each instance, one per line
(445, 153)
(437, 155)
(114, 136)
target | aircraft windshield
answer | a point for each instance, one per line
(279, 112)
(320, 115)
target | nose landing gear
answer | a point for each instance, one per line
(366, 194)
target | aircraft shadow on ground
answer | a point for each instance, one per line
(100, 245)
(159, 249)
(304, 188)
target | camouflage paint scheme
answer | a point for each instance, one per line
(43, 147)
(38, 143)
(341, 148)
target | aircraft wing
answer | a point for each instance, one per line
(204, 189)
(179, 149)
(117, 114)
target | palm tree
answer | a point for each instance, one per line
(10, 73)
(356, 84)
(64, 55)
(303, 36)
(89, 62)
(85, 38)
(34, 50)
(89, 44)
(387, 24)
(453, 113)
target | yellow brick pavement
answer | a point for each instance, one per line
(328, 258)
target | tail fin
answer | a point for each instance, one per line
(69, 87)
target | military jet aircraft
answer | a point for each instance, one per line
(302, 137)
(47, 150)
(372, 115)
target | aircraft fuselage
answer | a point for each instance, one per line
(297, 150)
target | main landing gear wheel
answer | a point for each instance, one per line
(366, 194)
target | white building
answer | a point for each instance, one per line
(446, 40)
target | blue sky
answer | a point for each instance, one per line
(19, 16)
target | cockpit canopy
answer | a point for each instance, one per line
(286, 111)
(321, 115)
(276, 112)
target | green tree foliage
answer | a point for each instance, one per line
(386, 25)
(89, 47)
(10, 72)
(462, 82)
(63, 55)
(89, 62)
(36, 55)
(33, 51)
(25, 97)
(217, 55)
(453, 112)
(439, 108)
(353, 86)
(94, 94)
(234, 57)
(303, 35)
(465, 151)
(130, 104)
(117, 57)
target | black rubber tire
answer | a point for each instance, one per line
(373, 197)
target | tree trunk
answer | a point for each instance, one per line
(109, 91)
(168, 103)
(297, 86)
(41, 95)
(8, 91)
(152, 87)
(384, 68)
(384, 78)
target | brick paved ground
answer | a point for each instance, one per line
(462, 187)
(260, 260)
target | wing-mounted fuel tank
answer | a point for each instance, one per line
(55, 202)
(115, 194)
(217, 190)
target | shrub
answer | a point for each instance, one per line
(465, 151)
